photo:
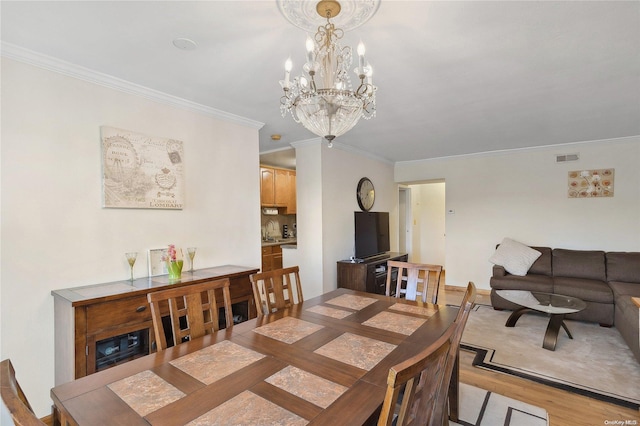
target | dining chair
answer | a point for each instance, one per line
(14, 398)
(196, 305)
(418, 388)
(452, 368)
(413, 274)
(277, 289)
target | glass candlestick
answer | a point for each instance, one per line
(191, 251)
(131, 258)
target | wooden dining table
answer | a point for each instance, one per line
(324, 361)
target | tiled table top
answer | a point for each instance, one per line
(277, 370)
(288, 329)
(317, 390)
(352, 301)
(145, 392)
(212, 363)
(330, 312)
(359, 351)
(395, 322)
(248, 409)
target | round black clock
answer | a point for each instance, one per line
(365, 194)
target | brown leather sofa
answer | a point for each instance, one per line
(606, 281)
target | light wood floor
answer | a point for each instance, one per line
(564, 408)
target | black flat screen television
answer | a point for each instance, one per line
(372, 233)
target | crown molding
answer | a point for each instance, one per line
(560, 148)
(358, 151)
(50, 63)
(341, 146)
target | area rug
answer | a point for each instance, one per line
(479, 407)
(596, 363)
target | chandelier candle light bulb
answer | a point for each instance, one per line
(287, 72)
(361, 52)
(310, 48)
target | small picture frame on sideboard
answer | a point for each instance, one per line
(157, 266)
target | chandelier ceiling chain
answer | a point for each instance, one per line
(321, 98)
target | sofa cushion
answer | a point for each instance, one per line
(587, 290)
(579, 264)
(542, 265)
(529, 282)
(623, 267)
(626, 322)
(624, 289)
(515, 257)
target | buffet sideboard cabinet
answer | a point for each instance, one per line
(98, 326)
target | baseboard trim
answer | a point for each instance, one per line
(480, 291)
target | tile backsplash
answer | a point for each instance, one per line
(271, 225)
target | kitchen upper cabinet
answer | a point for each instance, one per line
(278, 188)
(267, 187)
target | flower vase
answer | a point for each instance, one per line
(174, 268)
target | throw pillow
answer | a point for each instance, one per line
(516, 258)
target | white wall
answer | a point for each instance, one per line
(308, 255)
(341, 172)
(523, 195)
(428, 227)
(55, 234)
(326, 183)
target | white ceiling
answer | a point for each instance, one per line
(453, 77)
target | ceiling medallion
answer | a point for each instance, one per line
(321, 98)
(304, 14)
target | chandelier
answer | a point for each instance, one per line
(322, 97)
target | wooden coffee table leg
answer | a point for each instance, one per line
(515, 316)
(551, 335)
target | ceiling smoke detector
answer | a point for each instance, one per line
(185, 44)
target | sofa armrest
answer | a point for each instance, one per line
(499, 271)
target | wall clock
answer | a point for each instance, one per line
(365, 194)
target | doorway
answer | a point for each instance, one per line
(422, 212)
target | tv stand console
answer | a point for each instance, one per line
(369, 275)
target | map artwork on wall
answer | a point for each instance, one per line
(141, 172)
(591, 183)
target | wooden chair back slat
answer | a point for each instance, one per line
(14, 398)
(276, 290)
(197, 304)
(413, 274)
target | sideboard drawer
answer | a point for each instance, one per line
(104, 315)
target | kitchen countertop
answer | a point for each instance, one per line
(280, 242)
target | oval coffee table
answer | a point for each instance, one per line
(556, 305)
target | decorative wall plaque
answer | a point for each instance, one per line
(140, 171)
(591, 183)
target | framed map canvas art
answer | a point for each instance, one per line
(140, 171)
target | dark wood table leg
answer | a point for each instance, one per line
(551, 335)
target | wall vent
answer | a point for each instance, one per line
(567, 157)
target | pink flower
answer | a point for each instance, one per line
(171, 255)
